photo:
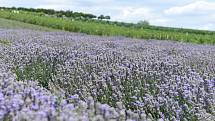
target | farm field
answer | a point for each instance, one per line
(72, 76)
(107, 28)
(10, 24)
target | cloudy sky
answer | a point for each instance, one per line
(198, 14)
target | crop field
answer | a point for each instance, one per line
(10, 24)
(110, 29)
(66, 76)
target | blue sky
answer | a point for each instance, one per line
(197, 14)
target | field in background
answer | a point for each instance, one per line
(98, 28)
(10, 24)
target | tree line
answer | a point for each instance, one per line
(60, 13)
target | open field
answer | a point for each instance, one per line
(100, 28)
(72, 76)
(10, 24)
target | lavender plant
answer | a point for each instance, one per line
(111, 78)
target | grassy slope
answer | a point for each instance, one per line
(10, 24)
(93, 28)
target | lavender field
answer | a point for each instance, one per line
(62, 76)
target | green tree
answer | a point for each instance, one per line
(101, 17)
(107, 17)
(143, 23)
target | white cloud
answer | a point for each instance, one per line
(56, 1)
(162, 21)
(196, 14)
(208, 26)
(125, 13)
(133, 14)
(198, 7)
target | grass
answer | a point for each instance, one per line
(94, 28)
(11, 24)
(37, 70)
(5, 42)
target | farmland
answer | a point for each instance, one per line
(65, 76)
(105, 29)
(10, 24)
(103, 72)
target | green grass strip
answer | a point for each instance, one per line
(94, 28)
(5, 42)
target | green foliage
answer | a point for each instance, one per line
(143, 23)
(110, 29)
(5, 42)
(101, 17)
(10, 24)
(37, 70)
(60, 13)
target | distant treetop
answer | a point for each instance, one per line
(60, 13)
(143, 23)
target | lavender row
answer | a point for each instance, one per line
(150, 79)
